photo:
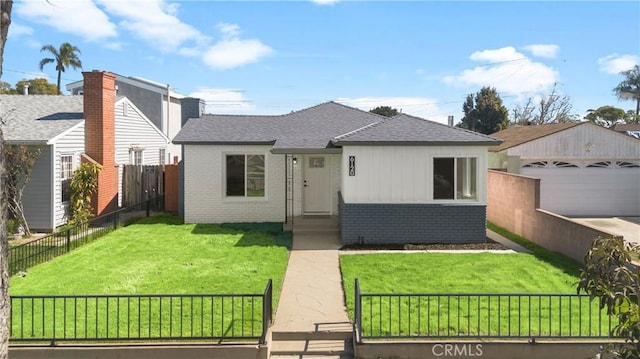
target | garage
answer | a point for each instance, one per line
(605, 187)
(584, 169)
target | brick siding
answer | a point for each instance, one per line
(397, 223)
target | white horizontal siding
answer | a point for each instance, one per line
(402, 174)
(583, 141)
(72, 143)
(132, 128)
(204, 187)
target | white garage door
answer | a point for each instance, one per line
(588, 191)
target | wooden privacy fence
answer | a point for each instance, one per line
(140, 183)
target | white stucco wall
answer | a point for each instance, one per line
(403, 174)
(204, 187)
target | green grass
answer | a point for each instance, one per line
(541, 272)
(160, 255)
(157, 255)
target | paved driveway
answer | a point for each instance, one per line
(629, 228)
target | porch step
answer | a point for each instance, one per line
(312, 348)
(334, 331)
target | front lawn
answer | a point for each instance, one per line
(154, 256)
(160, 255)
(440, 314)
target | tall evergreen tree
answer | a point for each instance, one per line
(484, 112)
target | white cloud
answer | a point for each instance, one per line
(223, 101)
(231, 51)
(155, 22)
(417, 106)
(543, 50)
(615, 64)
(325, 2)
(18, 30)
(508, 71)
(79, 17)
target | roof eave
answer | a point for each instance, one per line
(418, 143)
(222, 143)
(306, 150)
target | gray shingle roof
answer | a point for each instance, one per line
(38, 118)
(404, 129)
(322, 126)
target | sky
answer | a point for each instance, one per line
(274, 57)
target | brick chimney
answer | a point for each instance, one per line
(99, 136)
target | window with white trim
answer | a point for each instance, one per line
(455, 178)
(162, 156)
(66, 172)
(136, 157)
(245, 175)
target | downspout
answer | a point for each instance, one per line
(168, 117)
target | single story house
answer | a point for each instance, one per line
(585, 169)
(631, 129)
(96, 126)
(389, 180)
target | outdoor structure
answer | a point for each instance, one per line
(390, 180)
(97, 126)
(157, 101)
(631, 129)
(585, 169)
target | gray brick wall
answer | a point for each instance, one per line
(396, 223)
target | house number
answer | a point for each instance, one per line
(352, 165)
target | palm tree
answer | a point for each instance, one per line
(66, 56)
(630, 87)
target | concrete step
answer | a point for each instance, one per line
(311, 347)
(326, 335)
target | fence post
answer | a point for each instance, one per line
(357, 312)
(68, 242)
(267, 310)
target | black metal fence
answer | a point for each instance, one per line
(29, 254)
(105, 318)
(472, 315)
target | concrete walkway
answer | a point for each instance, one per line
(312, 297)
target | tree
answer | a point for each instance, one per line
(606, 116)
(386, 111)
(629, 88)
(19, 161)
(552, 108)
(5, 304)
(610, 277)
(65, 57)
(484, 112)
(6, 89)
(84, 183)
(38, 86)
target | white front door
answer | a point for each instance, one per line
(317, 185)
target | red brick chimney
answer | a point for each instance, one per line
(99, 136)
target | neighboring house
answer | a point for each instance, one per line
(150, 98)
(112, 131)
(390, 180)
(631, 129)
(585, 169)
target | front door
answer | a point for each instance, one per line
(317, 185)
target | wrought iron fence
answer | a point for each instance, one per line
(473, 315)
(104, 318)
(29, 254)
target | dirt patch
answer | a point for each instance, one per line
(488, 245)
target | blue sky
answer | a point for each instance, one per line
(273, 57)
